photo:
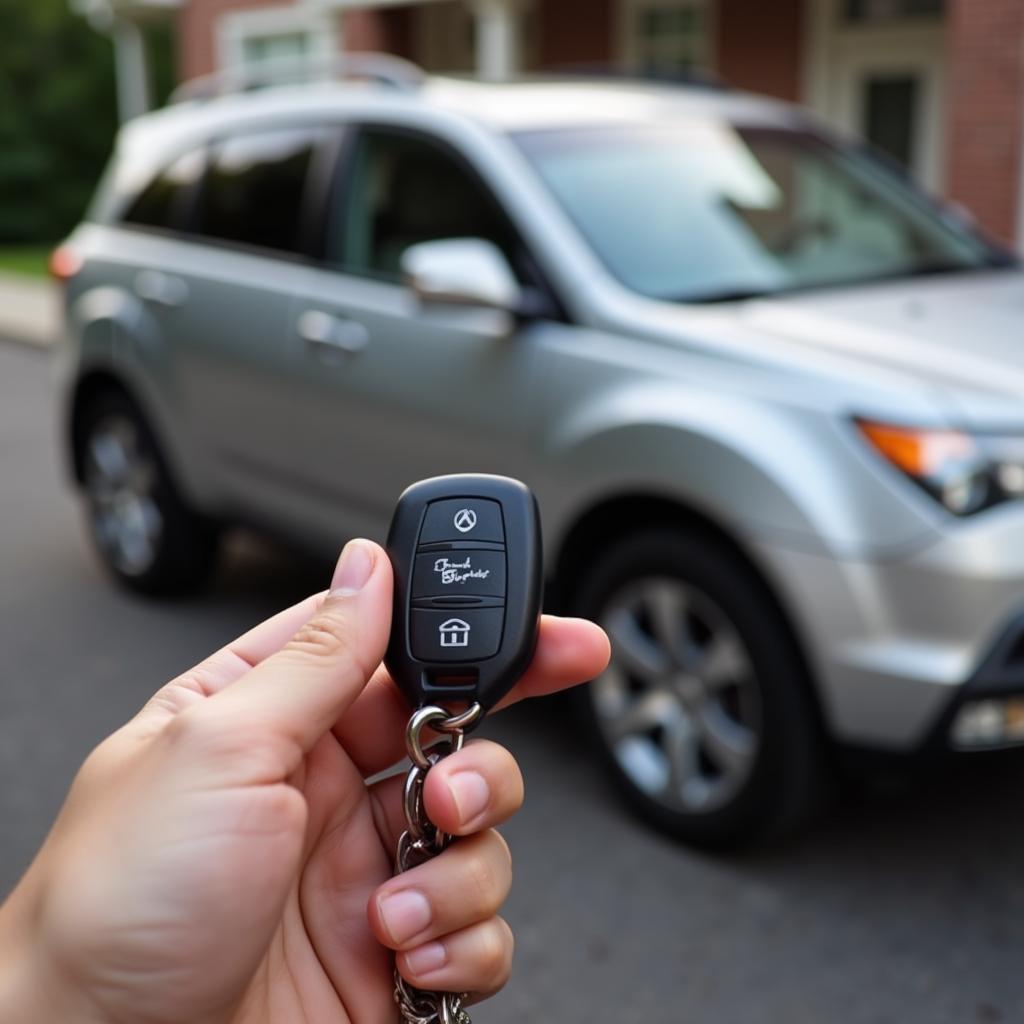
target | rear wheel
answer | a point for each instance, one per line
(704, 715)
(145, 534)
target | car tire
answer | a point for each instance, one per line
(705, 717)
(145, 534)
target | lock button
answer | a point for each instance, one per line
(473, 519)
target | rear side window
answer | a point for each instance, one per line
(163, 203)
(254, 188)
(406, 189)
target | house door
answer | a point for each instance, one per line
(894, 103)
(882, 78)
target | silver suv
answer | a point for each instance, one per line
(768, 394)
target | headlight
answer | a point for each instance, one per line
(965, 472)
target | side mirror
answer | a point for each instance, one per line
(462, 272)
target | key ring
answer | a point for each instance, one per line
(440, 721)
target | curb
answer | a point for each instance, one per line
(30, 310)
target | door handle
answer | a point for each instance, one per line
(160, 289)
(324, 332)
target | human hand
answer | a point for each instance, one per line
(221, 859)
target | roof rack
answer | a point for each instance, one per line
(700, 77)
(383, 69)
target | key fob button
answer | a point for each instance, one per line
(459, 574)
(463, 519)
(460, 635)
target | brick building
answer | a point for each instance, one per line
(939, 84)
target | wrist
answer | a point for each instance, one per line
(31, 986)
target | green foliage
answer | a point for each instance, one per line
(58, 116)
(30, 260)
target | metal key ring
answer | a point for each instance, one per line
(456, 723)
(438, 719)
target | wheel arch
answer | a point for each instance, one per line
(619, 515)
(87, 389)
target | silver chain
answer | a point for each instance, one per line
(421, 841)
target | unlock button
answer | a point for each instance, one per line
(463, 634)
(459, 574)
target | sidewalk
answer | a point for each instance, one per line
(29, 310)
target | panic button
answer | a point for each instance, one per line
(463, 519)
(459, 573)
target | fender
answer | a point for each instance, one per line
(119, 338)
(780, 473)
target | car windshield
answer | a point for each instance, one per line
(707, 211)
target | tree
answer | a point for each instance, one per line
(58, 117)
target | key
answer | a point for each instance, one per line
(466, 552)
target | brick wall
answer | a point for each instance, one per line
(388, 30)
(986, 109)
(575, 32)
(365, 30)
(197, 20)
(398, 28)
(760, 45)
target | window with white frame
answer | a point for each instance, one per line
(280, 46)
(669, 35)
(262, 35)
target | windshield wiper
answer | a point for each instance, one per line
(938, 268)
(726, 295)
(933, 269)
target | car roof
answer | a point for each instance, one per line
(528, 104)
(534, 104)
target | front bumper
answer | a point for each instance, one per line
(898, 645)
(987, 712)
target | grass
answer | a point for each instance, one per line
(29, 260)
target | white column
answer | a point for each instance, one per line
(497, 39)
(1020, 196)
(133, 95)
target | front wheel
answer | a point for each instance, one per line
(145, 534)
(704, 716)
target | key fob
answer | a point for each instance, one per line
(466, 552)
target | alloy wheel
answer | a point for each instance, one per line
(120, 484)
(679, 705)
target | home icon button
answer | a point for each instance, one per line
(441, 636)
(454, 633)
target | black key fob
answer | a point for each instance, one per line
(466, 552)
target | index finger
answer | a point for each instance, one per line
(372, 730)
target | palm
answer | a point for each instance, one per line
(239, 901)
(314, 969)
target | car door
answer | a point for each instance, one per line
(235, 279)
(391, 391)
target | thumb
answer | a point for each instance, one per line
(298, 693)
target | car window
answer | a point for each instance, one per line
(405, 189)
(163, 202)
(705, 211)
(253, 191)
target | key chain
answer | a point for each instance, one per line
(466, 553)
(421, 841)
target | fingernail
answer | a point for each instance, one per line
(404, 914)
(471, 794)
(426, 959)
(354, 569)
